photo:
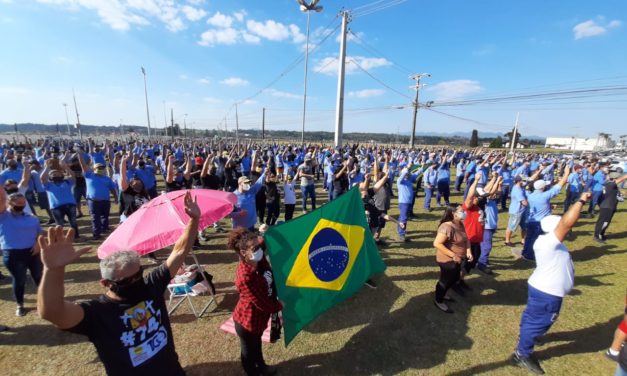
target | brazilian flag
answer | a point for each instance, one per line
(321, 258)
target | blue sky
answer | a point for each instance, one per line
(201, 57)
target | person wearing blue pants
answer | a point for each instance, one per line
(430, 182)
(444, 181)
(404, 185)
(460, 169)
(539, 207)
(597, 189)
(552, 279)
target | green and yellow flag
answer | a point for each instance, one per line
(320, 259)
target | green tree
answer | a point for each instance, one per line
(497, 142)
(474, 138)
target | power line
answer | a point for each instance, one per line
(378, 80)
(499, 126)
(376, 8)
(368, 47)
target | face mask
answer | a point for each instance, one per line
(100, 171)
(245, 187)
(461, 215)
(257, 255)
(133, 291)
(58, 179)
(17, 209)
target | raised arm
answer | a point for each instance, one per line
(123, 174)
(57, 252)
(471, 192)
(571, 216)
(564, 178)
(25, 177)
(184, 244)
(170, 168)
(84, 166)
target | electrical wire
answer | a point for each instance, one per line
(376, 8)
(376, 53)
(379, 81)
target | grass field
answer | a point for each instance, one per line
(394, 329)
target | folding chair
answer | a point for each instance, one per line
(177, 298)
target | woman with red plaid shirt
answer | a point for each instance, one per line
(257, 300)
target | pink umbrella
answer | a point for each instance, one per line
(160, 222)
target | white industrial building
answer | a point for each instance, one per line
(578, 143)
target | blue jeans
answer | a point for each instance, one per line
(486, 246)
(533, 231)
(402, 218)
(18, 261)
(444, 190)
(309, 191)
(571, 198)
(596, 200)
(504, 196)
(69, 211)
(428, 195)
(620, 371)
(78, 193)
(99, 211)
(541, 312)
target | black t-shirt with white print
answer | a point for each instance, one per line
(133, 338)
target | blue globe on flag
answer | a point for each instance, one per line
(328, 255)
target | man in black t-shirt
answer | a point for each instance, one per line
(129, 324)
(608, 205)
(79, 189)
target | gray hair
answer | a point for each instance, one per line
(112, 264)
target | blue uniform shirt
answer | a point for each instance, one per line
(98, 186)
(406, 187)
(18, 230)
(597, 181)
(540, 203)
(517, 196)
(444, 173)
(60, 193)
(246, 201)
(491, 214)
(574, 183)
(11, 174)
(146, 175)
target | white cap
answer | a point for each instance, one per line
(549, 223)
(539, 184)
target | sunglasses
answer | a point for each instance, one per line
(131, 279)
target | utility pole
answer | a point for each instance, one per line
(236, 125)
(416, 77)
(172, 123)
(146, 94)
(165, 117)
(67, 121)
(185, 126)
(339, 107)
(78, 121)
(263, 124)
(512, 146)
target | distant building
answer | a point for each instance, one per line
(580, 144)
(519, 145)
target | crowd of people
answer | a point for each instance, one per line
(55, 178)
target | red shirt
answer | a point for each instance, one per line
(473, 223)
(257, 298)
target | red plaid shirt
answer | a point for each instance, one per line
(256, 299)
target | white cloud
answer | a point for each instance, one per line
(124, 14)
(454, 89)
(270, 30)
(592, 28)
(282, 94)
(234, 81)
(204, 81)
(297, 36)
(220, 20)
(193, 14)
(211, 100)
(366, 93)
(350, 37)
(239, 16)
(249, 38)
(218, 36)
(329, 65)
(248, 102)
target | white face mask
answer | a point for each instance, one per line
(257, 255)
(461, 215)
(245, 187)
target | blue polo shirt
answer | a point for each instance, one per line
(471, 169)
(60, 193)
(405, 187)
(540, 203)
(444, 174)
(98, 186)
(491, 214)
(597, 181)
(459, 170)
(98, 157)
(11, 174)
(574, 183)
(18, 230)
(246, 201)
(506, 174)
(517, 196)
(35, 181)
(431, 177)
(146, 175)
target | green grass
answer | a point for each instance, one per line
(394, 329)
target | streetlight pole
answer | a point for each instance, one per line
(67, 121)
(146, 95)
(339, 107)
(78, 120)
(307, 8)
(416, 78)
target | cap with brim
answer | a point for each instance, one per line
(549, 223)
(539, 184)
(99, 165)
(243, 179)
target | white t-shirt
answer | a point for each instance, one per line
(555, 273)
(290, 195)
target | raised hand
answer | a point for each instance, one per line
(191, 206)
(57, 250)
